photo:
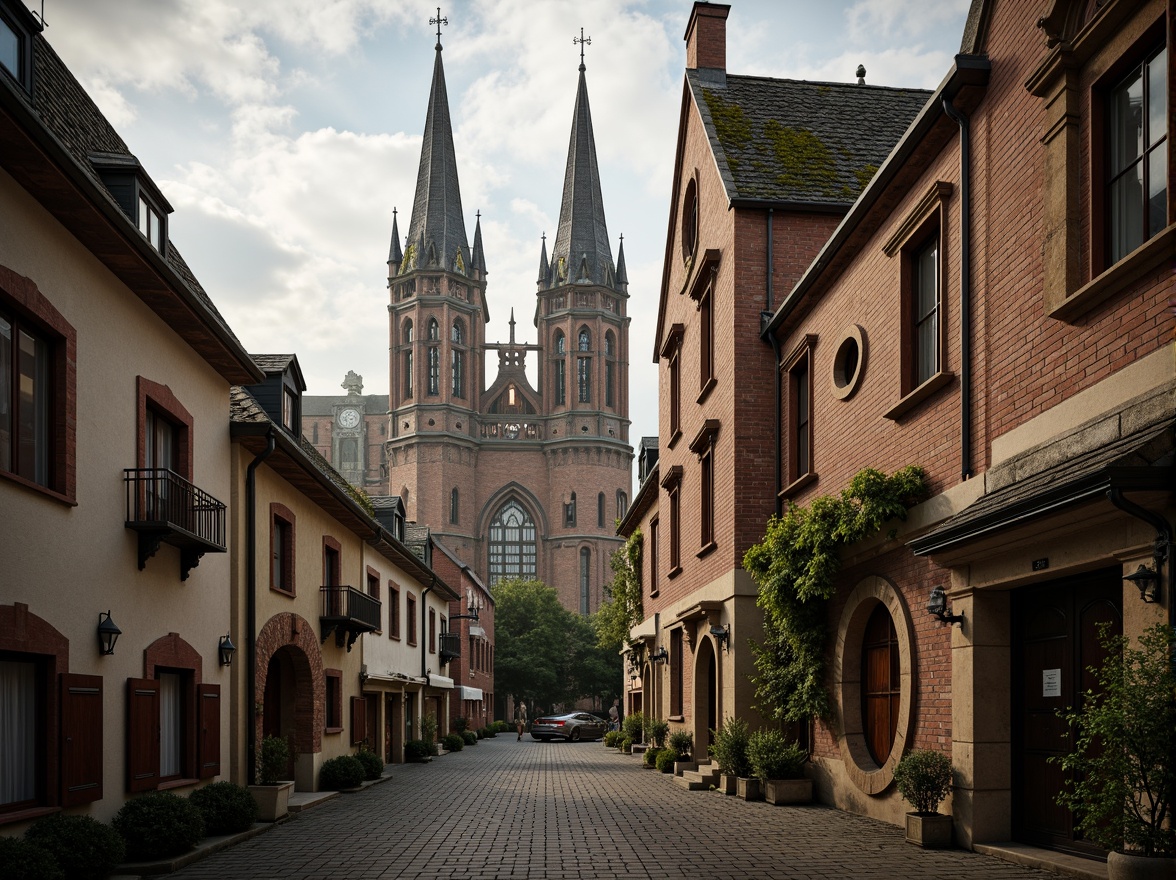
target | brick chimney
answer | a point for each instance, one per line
(706, 36)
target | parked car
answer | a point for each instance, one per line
(573, 727)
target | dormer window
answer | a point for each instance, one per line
(136, 194)
(17, 26)
(151, 224)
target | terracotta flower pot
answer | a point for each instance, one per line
(1133, 866)
(928, 830)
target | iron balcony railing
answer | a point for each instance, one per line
(163, 507)
(450, 646)
(348, 612)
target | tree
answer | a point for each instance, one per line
(622, 609)
(596, 670)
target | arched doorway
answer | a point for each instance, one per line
(706, 695)
(291, 686)
(288, 675)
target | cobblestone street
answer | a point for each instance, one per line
(505, 809)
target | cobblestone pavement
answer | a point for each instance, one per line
(508, 809)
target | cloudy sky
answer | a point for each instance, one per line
(285, 132)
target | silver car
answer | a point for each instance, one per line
(573, 727)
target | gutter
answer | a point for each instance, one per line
(965, 288)
(251, 601)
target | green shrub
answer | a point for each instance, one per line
(460, 724)
(658, 731)
(489, 732)
(501, 726)
(373, 764)
(417, 750)
(21, 860)
(613, 738)
(454, 742)
(682, 743)
(772, 757)
(471, 738)
(226, 808)
(731, 748)
(665, 760)
(83, 846)
(272, 760)
(429, 729)
(339, 773)
(634, 726)
(158, 825)
(923, 778)
(650, 757)
(626, 745)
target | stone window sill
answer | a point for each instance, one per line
(26, 815)
(796, 485)
(927, 389)
(1141, 261)
(175, 783)
(706, 389)
(707, 548)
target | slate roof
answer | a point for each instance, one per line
(800, 141)
(323, 404)
(272, 363)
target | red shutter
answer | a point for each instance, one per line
(142, 734)
(81, 739)
(208, 697)
(358, 720)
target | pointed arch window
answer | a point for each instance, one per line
(406, 338)
(457, 359)
(434, 330)
(434, 353)
(585, 574)
(570, 511)
(585, 341)
(600, 510)
(610, 365)
(584, 367)
(512, 544)
(561, 370)
(454, 506)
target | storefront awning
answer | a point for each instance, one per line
(440, 681)
(469, 693)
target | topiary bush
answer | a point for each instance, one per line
(158, 825)
(272, 760)
(22, 860)
(626, 745)
(373, 764)
(83, 847)
(454, 742)
(650, 757)
(772, 757)
(658, 731)
(488, 732)
(665, 760)
(226, 808)
(417, 750)
(731, 748)
(923, 778)
(471, 738)
(345, 771)
(682, 744)
(634, 726)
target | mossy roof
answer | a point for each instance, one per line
(794, 140)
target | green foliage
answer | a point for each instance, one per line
(627, 745)
(454, 742)
(658, 731)
(682, 743)
(771, 756)
(1120, 780)
(273, 757)
(373, 764)
(429, 729)
(613, 738)
(22, 860)
(794, 566)
(501, 726)
(344, 771)
(650, 757)
(460, 724)
(923, 778)
(469, 737)
(665, 760)
(731, 748)
(84, 848)
(417, 750)
(489, 732)
(227, 808)
(622, 608)
(633, 726)
(158, 825)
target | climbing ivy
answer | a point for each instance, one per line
(794, 566)
(622, 609)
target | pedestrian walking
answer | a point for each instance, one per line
(521, 719)
(614, 716)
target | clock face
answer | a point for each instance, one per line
(349, 418)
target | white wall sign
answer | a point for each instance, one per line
(1051, 682)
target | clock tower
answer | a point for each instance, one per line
(349, 431)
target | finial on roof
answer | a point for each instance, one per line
(582, 40)
(395, 255)
(439, 21)
(512, 326)
(544, 267)
(622, 275)
(861, 74)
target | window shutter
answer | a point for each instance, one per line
(208, 697)
(142, 734)
(358, 720)
(81, 739)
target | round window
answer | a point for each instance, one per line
(690, 220)
(849, 362)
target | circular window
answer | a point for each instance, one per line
(690, 220)
(849, 363)
(872, 683)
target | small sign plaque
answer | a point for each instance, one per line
(1051, 682)
(1041, 564)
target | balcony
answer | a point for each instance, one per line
(164, 508)
(450, 646)
(348, 613)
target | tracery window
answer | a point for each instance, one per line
(512, 543)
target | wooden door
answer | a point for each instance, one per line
(1055, 641)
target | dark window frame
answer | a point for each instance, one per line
(283, 533)
(798, 412)
(333, 701)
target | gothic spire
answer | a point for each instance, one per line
(622, 275)
(479, 258)
(582, 237)
(395, 255)
(544, 267)
(437, 223)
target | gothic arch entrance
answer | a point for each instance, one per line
(706, 695)
(292, 689)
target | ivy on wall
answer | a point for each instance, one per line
(794, 566)
(622, 608)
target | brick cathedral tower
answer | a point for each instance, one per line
(518, 480)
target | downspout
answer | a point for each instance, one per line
(775, 343)
(424, 632)
(771, 211)
(1163, 543)
(251, 600)
(965, 288)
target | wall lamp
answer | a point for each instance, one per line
(937, 605)
(661, 655)
(1147, 580)
(226, 649)
(722, 634)
(108, 633)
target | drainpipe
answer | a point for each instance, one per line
(768, 309)
(1162, 547)
(965, 288)
(251, 601)
(424, 631)
(779, 441)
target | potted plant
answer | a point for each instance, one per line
(923, 778)
(682, 745)
(731, 753)
(779, 766)
(271, 794)
(1120, 778)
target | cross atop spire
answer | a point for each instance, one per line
(580, 39)
(445, 21)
